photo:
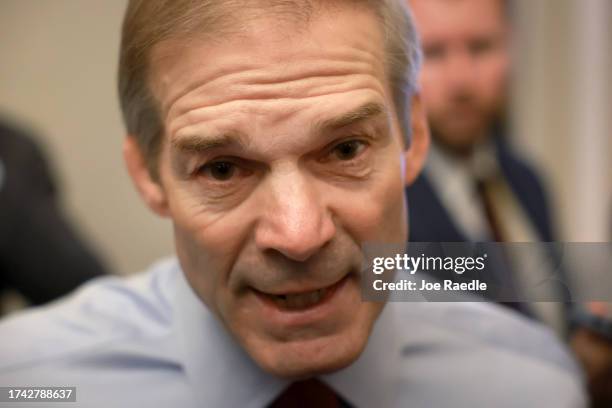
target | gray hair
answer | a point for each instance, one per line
(149, 22)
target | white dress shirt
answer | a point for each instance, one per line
(148, 341)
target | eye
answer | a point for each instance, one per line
(434, 52)
(481, 46)
(348, 150)
(220, 171)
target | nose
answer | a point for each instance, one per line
(460, 69)
(295, 221)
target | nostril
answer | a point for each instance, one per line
(295, 242)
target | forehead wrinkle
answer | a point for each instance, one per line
(167, 106)
(193, 87)
(251, 39)
(280, 92)
(280, 107)
(257, 85)
(177, 59)
(198, 142)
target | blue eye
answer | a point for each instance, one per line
(348, 150)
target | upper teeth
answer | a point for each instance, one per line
(301, 300)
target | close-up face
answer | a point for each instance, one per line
(282, 155)
(465, 70)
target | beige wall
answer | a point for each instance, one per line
(562, 107)
(58, 74)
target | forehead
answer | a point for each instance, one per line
(270, 59)
(443, 18)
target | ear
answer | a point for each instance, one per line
(416, 154)
(151, 191)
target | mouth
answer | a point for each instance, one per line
(302, 301)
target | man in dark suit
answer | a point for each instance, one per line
(474, 186)
(41, 255)
(431, 222)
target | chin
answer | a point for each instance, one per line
(460, 139)
(304, 359)
(313, 356)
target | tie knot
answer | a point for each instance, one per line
(306, 394)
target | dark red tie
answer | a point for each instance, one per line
(307, 394)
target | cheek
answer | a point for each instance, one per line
(428, 80)
(434, 91)
(378, 213)
(207, 246)
(494, 77)
(198, 263)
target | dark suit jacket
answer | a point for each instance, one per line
(41, 255)
(430, 221)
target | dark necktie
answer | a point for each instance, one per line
(486, 191)
(308, 394)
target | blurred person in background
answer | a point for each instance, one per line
(41, 255)
(474, 186)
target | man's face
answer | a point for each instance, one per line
(282, 155)
(464, 76)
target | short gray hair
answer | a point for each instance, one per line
(149, 22)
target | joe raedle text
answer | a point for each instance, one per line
(446, 285)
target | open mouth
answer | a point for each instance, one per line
(303, 300)
(299, 301)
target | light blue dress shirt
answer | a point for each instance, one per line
(148, 341)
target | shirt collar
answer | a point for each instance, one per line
(481, 164)
(222, 374)
(373, 379)
(453, 179)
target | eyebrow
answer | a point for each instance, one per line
(364, 112)
(198, 144)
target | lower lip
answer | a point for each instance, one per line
(322, 310)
